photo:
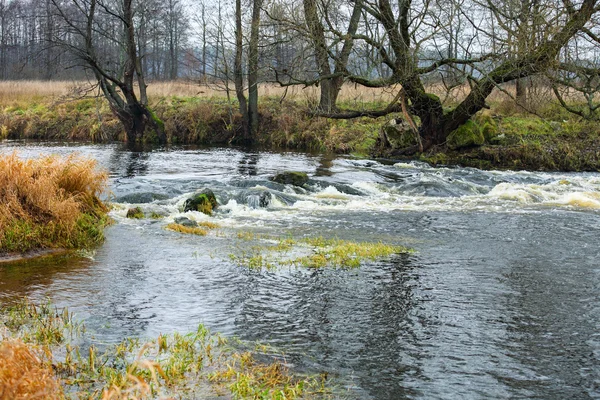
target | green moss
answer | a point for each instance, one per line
(433, 97)
(135, 213)
(291, 178)
(205, 202)
(159, 122)
(489, 131)
(467, 135)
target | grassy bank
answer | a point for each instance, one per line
(50, 203)
(510, 138)
(191, 120)
(524, 142)
(41, 357)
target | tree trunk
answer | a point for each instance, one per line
(238, 71)
(253, 116)
(317, 32)
(521, 92)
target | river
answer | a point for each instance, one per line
(501, 298)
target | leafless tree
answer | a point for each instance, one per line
(120, 78)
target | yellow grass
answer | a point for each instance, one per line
(42, 201)
(32, 91)
(12, 92)
(186, 229)
(23, 375)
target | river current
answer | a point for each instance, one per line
(501, 298)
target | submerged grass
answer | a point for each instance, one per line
(196, 365)
(187, 229)
(50, 202)
(316, 252)
(200, 230)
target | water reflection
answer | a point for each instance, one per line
(130, 163)
(325, 166)
(247, 166)
(26, 278)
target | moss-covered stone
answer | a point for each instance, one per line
(489, 131)
(291, 178)
(135, 213)
(183, 221)
(398, 134)
(467, 135)
(204, 201)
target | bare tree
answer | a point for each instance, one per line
(122, 83)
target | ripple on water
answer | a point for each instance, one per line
(500, 300)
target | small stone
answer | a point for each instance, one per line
(291, 178)
(186, 222)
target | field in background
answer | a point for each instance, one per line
(31, 91)
(351, 95)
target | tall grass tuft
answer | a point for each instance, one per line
(23, 375)
(50, 202)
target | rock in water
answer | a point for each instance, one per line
(259, 199)
(204, 201)
(186, 222)
(135, 213)
(291, 178)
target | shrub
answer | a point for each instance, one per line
(23, 375)
(50, 202)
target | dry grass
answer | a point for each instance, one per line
(197, 365)
(32, 91)
(23, 375)
(42, 201)
(187, 229)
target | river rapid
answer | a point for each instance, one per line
(501, 298)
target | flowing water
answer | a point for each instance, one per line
(500, 300)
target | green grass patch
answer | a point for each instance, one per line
(315, 252)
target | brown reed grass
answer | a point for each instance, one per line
(48, 202)
(23, 375)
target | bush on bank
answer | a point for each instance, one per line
(50, 203)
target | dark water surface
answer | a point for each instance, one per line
(500, 300)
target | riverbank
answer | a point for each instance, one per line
(552, 141)
(49, 204)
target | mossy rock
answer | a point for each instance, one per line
(135, 213)
(204, 201)
(291, 178)
(399, 134)
(489, 131)
(467, 135)
(183, 221)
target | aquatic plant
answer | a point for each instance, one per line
(50, 202)
(187, 229)
(209, 225)
(314, 252)
(199, 364)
